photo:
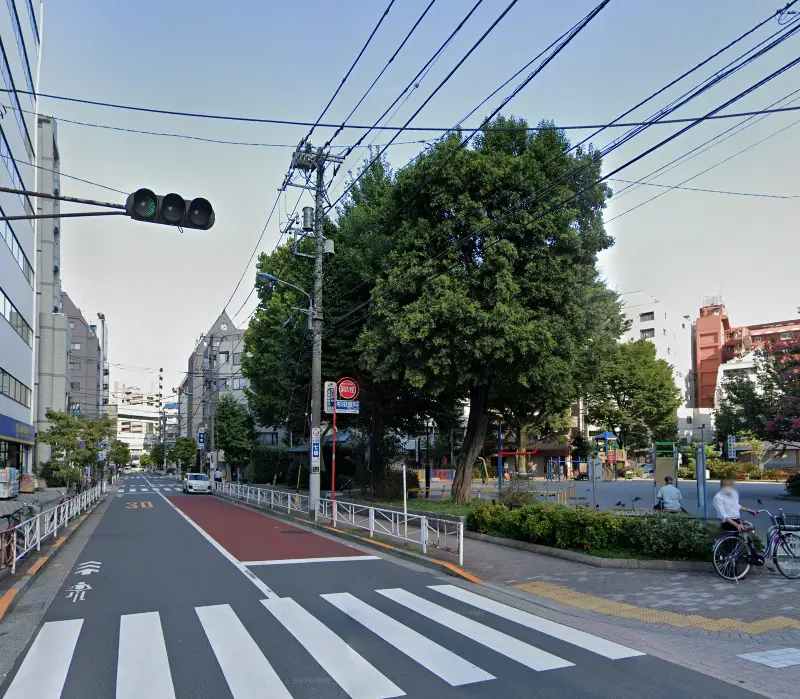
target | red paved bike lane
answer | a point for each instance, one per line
(251, 536)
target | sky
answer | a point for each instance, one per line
(160, 289)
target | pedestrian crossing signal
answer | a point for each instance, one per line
(170, 210)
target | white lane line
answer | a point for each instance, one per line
(143, 489)
(44, 670)
(247, 672)
(351, 672)
(530, 656)
(595, 644)
(441, 662)
(142, 665)
(251, 576)
(331, 559)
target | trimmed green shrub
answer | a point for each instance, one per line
(793, 485)
(391, 488)
(662, 536)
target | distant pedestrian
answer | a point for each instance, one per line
(218, 476)
(669, 498)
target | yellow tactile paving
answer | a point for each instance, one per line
(565, 595)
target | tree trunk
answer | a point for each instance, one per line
(473, 443)
(522, 445)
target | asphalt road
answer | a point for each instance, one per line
(178, 596)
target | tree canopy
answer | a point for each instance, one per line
(233, 429)
(183, 452)
(75, 440)
(119, 453)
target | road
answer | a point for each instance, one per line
(178, 596)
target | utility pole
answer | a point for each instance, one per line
(305, 158)
(212, 384)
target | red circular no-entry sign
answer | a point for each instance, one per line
(348, 388)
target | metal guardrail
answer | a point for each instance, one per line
(447, 535)
(265, 497)
(17, 542)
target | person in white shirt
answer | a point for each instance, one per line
(669, 497)
(726, 504)
(218, 476)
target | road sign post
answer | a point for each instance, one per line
(315, 450)
(348, 389)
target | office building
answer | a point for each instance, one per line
(215, 367)
(19, 50)
(138, 417)
(52, 332)
(85, 368)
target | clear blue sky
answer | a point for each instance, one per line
(160, 289)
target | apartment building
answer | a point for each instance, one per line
(87, 369)
(138, 417)
(19, 51)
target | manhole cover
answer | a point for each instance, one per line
(294, 531)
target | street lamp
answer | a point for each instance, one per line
(309, 312)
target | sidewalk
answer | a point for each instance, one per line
(694, 619)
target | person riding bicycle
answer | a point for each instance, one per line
(669, 498)
(726, 504)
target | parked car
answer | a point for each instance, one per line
(196, 483)
(127, 471)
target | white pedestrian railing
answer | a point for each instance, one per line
(264, 497)
(18, 541)
(443, 534)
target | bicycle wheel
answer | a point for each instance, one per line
(787, 555)
(731, 558)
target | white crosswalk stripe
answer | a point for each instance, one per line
(52, 649)
(440, 661)
(601, 646)
(247, 672)
(351, 672)
(143, 654)
(142, 665)
(530, 656)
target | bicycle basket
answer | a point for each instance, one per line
(789, 521)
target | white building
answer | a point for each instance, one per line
(19, 52)
(138, 416)
(671, 333)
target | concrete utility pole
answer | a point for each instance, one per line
(212, 386)
(306, 159)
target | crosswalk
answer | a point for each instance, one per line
(145, 665)
(133, 489)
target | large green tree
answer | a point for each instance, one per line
(487, 263)
(119, 453)
(157, 455)
(183, 452)
(145, 460)
(76, 441)
(233, 429)
(633, 394)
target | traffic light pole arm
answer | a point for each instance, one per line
(74, 200)
(75, 215)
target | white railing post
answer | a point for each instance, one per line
(424, 534)
(14, 552)
(371, 522)
(39, 532)
(272, 499)
(461, 544)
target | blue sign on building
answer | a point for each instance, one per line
(15, 431)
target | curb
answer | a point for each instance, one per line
(594, 561)
(419, 559)
(8, 598)
(790, 498)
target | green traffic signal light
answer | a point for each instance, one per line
(143, 204)
(171, 210)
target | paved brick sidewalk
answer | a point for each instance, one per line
(696, 620)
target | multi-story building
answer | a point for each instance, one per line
(718, 342)
(215, 367)
(672, 334)
(19, 50)
(52, 332)
(138, 416)
(85, 366)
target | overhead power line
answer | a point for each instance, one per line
(700, 189)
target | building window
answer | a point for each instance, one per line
(75, 385)
(74, 366)
(757, 338)
(268, 438)
(786, 336)
(223, 326)
(13, 171)
(14, 389)
(239, 384)
(669, 351)
(72, 325)
(222, 358)
(7, 234)
(75, 346)
(12, 8)
(664, 331)
(647, 333)
(222, 384)
(689, 420)
(683, 326)
(237, 358)
(645, 317)
(15, 319)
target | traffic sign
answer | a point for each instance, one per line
(315, 450)
(348, 407)
(348, 389)
(330, 395)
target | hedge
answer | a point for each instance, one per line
(659, 536)
(793, 485)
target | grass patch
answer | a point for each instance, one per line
(446, 507)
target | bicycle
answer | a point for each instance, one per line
(734, 553)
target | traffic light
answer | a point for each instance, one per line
(170, 210)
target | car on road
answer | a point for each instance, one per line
(127, 470)
(196, 483)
